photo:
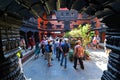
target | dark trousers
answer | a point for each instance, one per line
(65, 63)
(43, 51)
(80, 62)
(58, 54)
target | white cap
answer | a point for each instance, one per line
(66, 39)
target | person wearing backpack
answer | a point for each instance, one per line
(65, 49)
(78, 55)
(48, 51)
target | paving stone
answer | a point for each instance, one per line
(38, 69)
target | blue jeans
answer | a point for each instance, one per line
(54, 50)
(65, 63)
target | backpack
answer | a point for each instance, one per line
(79, 51)
(65, 48)
(48, 48)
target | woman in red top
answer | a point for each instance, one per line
(78, 54)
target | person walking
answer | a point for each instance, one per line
(48, 51)
(37, 50)
(65, 50)
(78, 55)
(43, 47)
(19, 54)
(59, 49)
(54, 47)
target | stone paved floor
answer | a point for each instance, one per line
(38, 69)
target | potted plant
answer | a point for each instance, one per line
(83, 31)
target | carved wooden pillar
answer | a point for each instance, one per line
(9, 42)
(113, 43)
